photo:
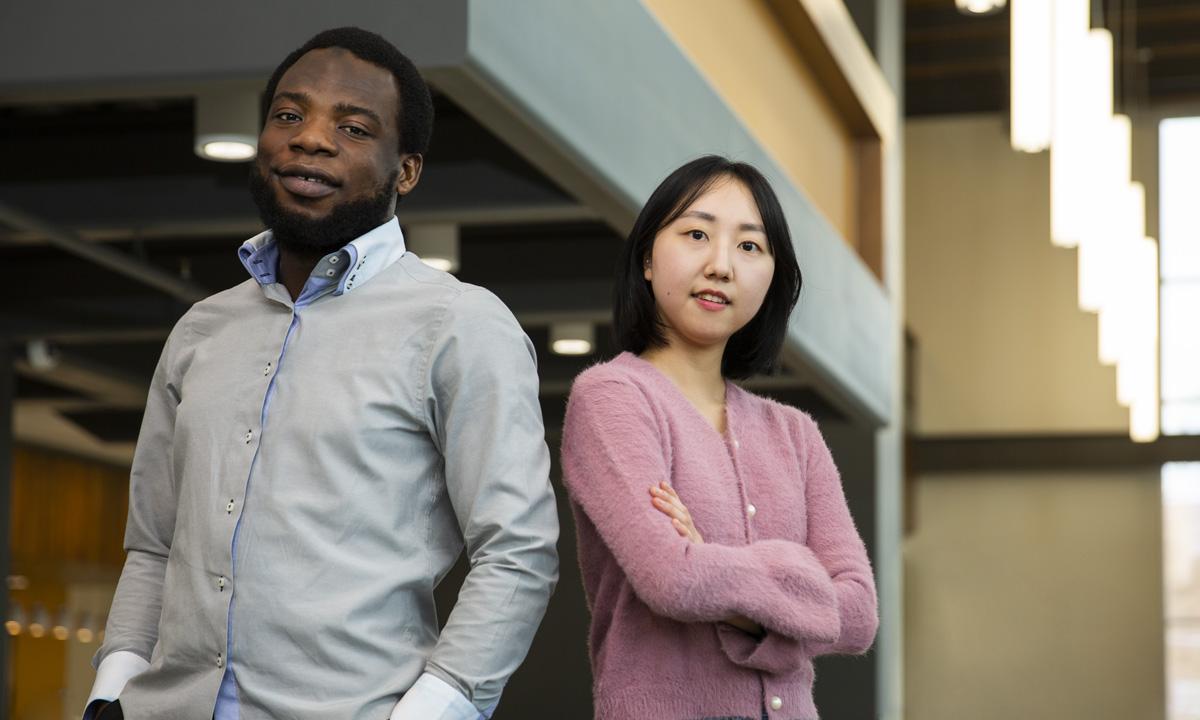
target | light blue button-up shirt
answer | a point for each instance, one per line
(382, 419)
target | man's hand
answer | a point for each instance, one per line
(95, 711)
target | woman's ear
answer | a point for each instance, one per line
(646, 267)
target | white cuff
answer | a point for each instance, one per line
(113, 673)
(431, 698)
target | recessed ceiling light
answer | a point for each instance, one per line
(227, 125)
(435, 243)
(980, 7)
(226, 150)
(572, 338)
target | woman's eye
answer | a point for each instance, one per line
(697, 234)
(750, 246)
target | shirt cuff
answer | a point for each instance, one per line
(431, 698)
(111, 676)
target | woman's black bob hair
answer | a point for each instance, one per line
(636, 322)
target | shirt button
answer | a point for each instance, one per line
(267, 370)
(776, 703)
(249, 434)
(751, 510)
(220, 660)
(229, 507)
(221, 583)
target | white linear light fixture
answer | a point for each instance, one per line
(1032, 118)
(1062, 100)
(1179, 226)
(227, 125)
(1077, 117)
(1117, 211)
(437, 244)
(1137, 375)
(572, 338)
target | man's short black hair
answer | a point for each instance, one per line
(636, 322)
(415, 121)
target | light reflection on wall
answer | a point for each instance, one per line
(1179, 187)
(1181, 594)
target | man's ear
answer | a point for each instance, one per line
(410, 172)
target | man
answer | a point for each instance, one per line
(321, 440)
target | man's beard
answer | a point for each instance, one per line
(318, 236)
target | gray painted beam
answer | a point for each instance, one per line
(598, 96)
(69, 49)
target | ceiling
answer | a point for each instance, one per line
(122, 175)
(956, 63)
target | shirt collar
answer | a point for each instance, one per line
(355, 263)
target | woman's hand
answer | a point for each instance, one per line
(666, 501)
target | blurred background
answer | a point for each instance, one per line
(996, 206)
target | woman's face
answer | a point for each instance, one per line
(710, 269)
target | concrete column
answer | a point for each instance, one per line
(7, 392)
(889, 518)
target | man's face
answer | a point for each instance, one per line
(328, 166)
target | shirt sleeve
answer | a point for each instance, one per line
(483, 411)
(612, 454)
(150, 527)
(432, 699)
(116, 670)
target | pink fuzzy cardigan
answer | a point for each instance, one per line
(780, 548)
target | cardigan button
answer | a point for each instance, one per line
(776, 703)
(751, 511)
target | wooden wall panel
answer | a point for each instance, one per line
(66, 511)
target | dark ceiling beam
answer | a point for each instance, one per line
(1047, 452)
(247, 226)
(104, 256)
(1167, 15)
(960, 68)
(112, 386)
(956, 33)
(100, 336)
(190, 204)
(1175, 50)
(930, 4)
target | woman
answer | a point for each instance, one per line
(718, 554)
